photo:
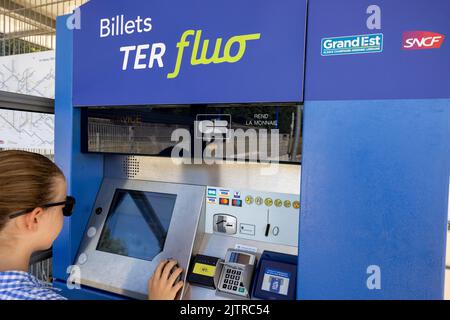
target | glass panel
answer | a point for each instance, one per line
(147, 130)
(27, 131)
(137, 224)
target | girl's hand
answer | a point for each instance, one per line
(161, 285)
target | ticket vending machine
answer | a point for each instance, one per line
(148, 208)
(141, 218)
(127, 78)
(172, 156)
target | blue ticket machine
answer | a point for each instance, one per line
(186, 130)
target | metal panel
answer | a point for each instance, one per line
(22, 102)
(83, 172)
(114, 66)
(284, 179)
(394, 73)
(374, 193)
(126, 275)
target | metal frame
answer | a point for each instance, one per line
(178, 245)
(23, 102)
(30, 25)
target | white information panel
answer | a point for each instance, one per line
(253, 215)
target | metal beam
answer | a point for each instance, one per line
(23, 34)
(28, 13)
(23, 102)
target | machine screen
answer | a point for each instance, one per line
(239, 258)
(137, 224)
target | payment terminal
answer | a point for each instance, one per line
(275, 278)
(236, 276)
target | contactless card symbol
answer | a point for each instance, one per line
(275, 284)
(236, 203)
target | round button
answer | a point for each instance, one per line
(98, 211)
(91, 232)
(268, 202)
(82, 258)
(296, 204)
(276, 231)
(278, 203)
(258, 201)
(287, 204)
(248, 199)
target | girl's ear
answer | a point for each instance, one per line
(30, 221)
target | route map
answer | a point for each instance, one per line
(31, 74)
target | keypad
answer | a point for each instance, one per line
(232, 282)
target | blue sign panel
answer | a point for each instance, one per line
(408, 42)
(182, 52)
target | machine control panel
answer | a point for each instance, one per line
(253, 215)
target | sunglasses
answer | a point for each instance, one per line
(67, 209)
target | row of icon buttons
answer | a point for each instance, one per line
(269, 202)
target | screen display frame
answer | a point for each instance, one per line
(127, 275)
(114, 206)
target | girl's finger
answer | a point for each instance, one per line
(168, 267)
(157, 274)
(177, 287)
(174, 276)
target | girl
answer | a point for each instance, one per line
(33, 203)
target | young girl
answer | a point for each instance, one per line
(33, 203)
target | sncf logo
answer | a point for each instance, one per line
(421, 40)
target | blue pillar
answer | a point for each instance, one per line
(83, 172)
(376, 156)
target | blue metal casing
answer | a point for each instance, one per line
(376, 147)
(375, 163)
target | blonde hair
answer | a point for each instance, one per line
(27, 180)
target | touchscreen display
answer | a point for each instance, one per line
(137, 224)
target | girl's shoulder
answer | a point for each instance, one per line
(19, 285)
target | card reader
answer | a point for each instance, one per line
(276, 276)
(202, 271)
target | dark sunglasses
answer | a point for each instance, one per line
(67, 209)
